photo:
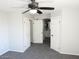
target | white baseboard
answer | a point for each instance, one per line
(66, 52)
(69, 53)
(4, 52)
(21, 50)
(57, 50)
(37, 42)
(17, 51)
(26, 47)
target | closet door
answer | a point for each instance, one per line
(37, 31)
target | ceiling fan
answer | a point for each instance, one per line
(34, 6)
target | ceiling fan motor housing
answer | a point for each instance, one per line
(33, 5)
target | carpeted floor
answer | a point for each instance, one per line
(37, 51)
(46, 41)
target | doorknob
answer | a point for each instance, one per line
(52, 35)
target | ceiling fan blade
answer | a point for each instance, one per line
(25, 11)
(46, 8)
(39, 12)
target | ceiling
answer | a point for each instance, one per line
(9, 5)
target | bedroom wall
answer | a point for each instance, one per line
(70, 31)
(16, 32)
(65, 30)
(4, 44)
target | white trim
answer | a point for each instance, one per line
(4, 52)
(68, 53)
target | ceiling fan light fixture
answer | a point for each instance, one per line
(33, 11)
(34, 8)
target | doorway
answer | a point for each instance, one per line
(41, 33)
(46, 31)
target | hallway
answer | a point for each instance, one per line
(37, 51)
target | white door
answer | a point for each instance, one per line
(37, 31)
(55, 33)
(26, 32)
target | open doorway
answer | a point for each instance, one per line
(46, 31)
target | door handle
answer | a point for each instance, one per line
(52, 35)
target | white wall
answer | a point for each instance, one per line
(3, 33)
(13, 27)
(65, 28)
(26, 32)
(16, 32)
(70, 31)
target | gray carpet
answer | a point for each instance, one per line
(37, 51)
